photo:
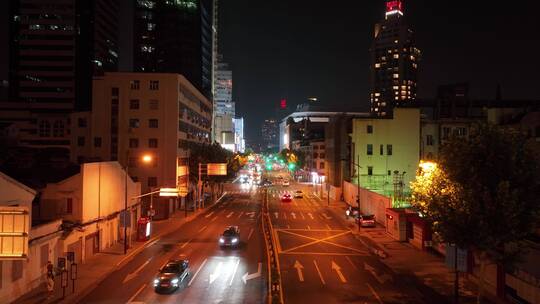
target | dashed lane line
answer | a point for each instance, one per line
(137, 293)
(319, 272)
(197, 272)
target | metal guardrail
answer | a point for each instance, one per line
(275, 293)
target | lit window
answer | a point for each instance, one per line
(396, 56)
(396, 76)
(396, 98)
(377, 94)
(135, 84)
(396, 41)
(377, 65)
(395, 87)
(383, 104)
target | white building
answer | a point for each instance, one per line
(224, 107)
(239, 141)
(23, 258)
(93, 202)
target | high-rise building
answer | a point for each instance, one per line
(394, 62)
(224, 107)
(175, 36)
(270, 135)
(239, 141)
(56, 47)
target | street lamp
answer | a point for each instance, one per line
(146, 159)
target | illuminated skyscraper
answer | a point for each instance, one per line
(394, 62)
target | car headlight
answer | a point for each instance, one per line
(221, 240)
(174, 281)
(234, 240)
(156, 281)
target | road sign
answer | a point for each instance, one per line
(217, 169)
(168, 192)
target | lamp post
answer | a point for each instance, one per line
(146, 159)
(126, 201)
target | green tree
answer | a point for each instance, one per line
(483, 194)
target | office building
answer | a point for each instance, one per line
(270, 135)
(55, 48)
(224, 107)
(175, 37)
(141, 114)
(394, 62)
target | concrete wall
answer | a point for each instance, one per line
(370, 202)
(43, 247)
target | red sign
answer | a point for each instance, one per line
(283, 103)
(393, 6)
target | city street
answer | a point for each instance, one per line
(216, 275)
(321, 259)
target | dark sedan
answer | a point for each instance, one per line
(171, 275)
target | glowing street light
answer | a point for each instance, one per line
(147, 158)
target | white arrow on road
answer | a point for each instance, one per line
(299, 268)
(310, 215)
(246, 277)
(230, 214)
(136, 272)
(293, 215)
(217, 273)
(276, 214)
(381, 279)
(301, 214)
(338, 271)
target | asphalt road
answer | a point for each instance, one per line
(322, 261)
(217, 275)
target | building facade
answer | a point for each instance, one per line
(270, 135)
(55, 47)
(175, 37)
(224, 107)
(386, 152)
(394, 62)
(143, 114)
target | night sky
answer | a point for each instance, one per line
(295, 49)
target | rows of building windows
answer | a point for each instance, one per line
(135, 104)
(55, 129)
(389, 149)
(153, 85)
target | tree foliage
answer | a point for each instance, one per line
(484, 193)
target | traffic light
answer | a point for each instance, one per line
(292, 166)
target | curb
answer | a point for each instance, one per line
(92, 286)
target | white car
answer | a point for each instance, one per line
(285, 183)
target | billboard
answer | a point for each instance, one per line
(217, 169)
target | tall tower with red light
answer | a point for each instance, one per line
(394, 62)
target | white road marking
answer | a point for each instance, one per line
(200, 230)
(240, 214)
(374, 293)
(217, 273)
(196, 273)
(299, 268)
(284, 215)
(137, 293)
(246, 277)
(288, 226)
(310, 215)
(185, 244)
(234, 271)
(151, 243)
(136, 272)
(209, 214)
(250, 233)
(309, 228)
(215, 218)
(337, 269)
(351, 262)
(293, 215)
(328, 226)
(276, 214)
(319, 272)
(230, 214)
(302, 215)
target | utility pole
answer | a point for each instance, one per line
(126, 202)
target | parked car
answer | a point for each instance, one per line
(285, 183)
(286, 198)
(230, 237)
(367, 220)
(171, 275)
(298, 194)
(352, 211)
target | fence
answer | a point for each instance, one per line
(370, 202)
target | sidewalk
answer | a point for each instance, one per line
(422, 271)
(98, 267)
